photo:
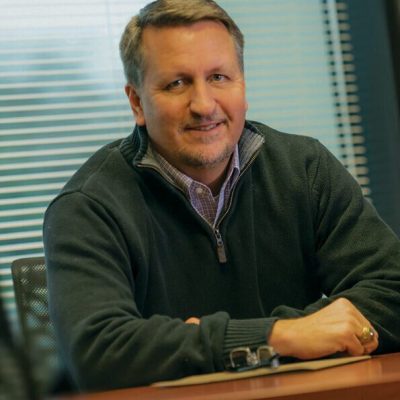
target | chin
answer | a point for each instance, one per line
(206, 159)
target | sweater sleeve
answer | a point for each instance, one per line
(104, 340)
(357, 254)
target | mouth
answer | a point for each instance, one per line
(205, 127)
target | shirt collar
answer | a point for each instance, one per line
(183, 181)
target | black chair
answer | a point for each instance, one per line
(38, 339)
(15, 377)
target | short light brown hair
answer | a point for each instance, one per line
(164, 13)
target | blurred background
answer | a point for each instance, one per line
(325, 68)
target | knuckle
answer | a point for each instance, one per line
(347, 328)
(343, 301)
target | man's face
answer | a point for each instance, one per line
(192, 99)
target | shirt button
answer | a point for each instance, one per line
(199, 190)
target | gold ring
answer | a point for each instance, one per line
(367, 335)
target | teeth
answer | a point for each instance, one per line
(207, 128)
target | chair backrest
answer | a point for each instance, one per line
(29, 276)
(15, 376)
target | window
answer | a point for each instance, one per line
(61, 95)
(61, 98)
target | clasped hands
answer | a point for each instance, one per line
(337, 328)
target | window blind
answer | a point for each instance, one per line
(61, 98)
(300, 73)
(61, 94)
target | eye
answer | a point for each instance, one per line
(175, 84)
(218, 78)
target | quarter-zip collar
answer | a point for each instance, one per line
(137, 151)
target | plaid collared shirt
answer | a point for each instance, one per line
(200, 195)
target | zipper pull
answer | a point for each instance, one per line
(220, 247)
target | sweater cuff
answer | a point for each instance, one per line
(250, 333)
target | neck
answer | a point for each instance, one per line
(213, 178)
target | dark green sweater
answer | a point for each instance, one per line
(129, 260)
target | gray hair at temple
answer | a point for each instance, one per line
(165, 13)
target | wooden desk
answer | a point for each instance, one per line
(374, 379)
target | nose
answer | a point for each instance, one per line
(202, 100)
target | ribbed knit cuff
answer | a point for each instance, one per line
(246, 332)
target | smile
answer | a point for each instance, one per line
(205, 127)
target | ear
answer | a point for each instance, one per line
(136, 104)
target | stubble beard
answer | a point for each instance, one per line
(201, 160)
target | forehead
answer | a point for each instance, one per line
(201, 41)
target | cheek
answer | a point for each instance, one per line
(163, 121)
(241, 104)
(235, 100)
(166, 111)
(238, 111)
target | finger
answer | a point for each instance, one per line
(368, 337)
(361, 340)
(370, 348)
(354, 346)
(376, 333)
(193, 320)
(372, 345)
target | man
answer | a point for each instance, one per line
(202, 232)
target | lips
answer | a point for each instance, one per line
(204, 127)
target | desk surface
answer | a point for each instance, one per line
(376, 378)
